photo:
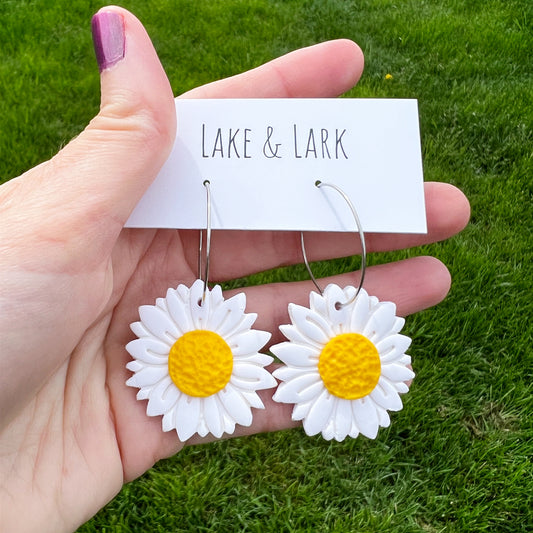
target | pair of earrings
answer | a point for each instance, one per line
(197, 359)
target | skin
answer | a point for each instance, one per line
(71, 432)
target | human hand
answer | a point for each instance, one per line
(71, 432)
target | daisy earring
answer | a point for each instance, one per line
(345, 361)
(196, 359)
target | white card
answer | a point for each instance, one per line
(262, 158)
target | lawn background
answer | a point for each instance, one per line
(458, 457)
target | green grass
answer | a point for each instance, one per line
(458, 457)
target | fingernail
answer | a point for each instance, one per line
(108, 38)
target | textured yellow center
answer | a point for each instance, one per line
(200, 363)
(349, 366)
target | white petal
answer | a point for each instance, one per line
(282, 396)
(360, 310)
(249, 342)
(252, 398)
(286, 373)
(268, 381)
(299, 389)
(245, 322)
(184, 292)
(366, 417)
(354, 432)
(329, 431)
(320, 413)
(310, 324)
(149, 350)
(396, 372)
(301, 410)
(251, 377)
(162, 304)
(139, 330)
(339, 318)
(163, 396)
(386, 397)
(398, 325)
(294, 335)
(216, 296)
(143, 393)
(342, 421)
(135, 366)
(179, 311)
(212, 411)
(392, 347)
(383, 417)
(318, 303)
(334, 295)
(311, 391)
(202, 428)
(158, 323)
(187, 416)
(249, 372)
(380, 322)
(260, 359)
(390, 398)
(199, 307)
(229, 423)
(296, 354)
(227, 316)
(169, 423)
(400, 387)
(149, 375)
(235, 405)
(404, 360)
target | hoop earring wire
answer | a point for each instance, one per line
(206, 184)
(321, 184)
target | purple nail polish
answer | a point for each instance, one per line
(108, 38)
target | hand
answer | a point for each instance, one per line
(71, 432)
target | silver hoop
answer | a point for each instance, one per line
(206, 184)
(340, 305)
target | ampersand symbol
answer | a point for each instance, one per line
(267, 147)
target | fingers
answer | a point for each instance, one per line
(237, 254)
(323, 70)
(131, 137)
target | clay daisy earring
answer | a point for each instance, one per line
(196, 359)
(345, 361)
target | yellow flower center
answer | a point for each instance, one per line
(349, 366)
(200, 363)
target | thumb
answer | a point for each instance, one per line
(90, 187)
(131, 137)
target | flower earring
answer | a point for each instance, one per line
(196, 359)
(345, 359)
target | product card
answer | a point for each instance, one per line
(262, 158)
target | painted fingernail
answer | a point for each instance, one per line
(108, 38)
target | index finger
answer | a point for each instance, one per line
(323, 70)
